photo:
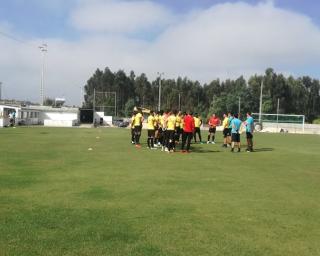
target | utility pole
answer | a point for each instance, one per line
(94, 105)
(0, 90)
(278, 107)
(239, 106)
(43, 49)
(260, 108)
(159, 102)
(179, 101)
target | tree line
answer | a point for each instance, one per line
(296, 95)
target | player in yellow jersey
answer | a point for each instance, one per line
(178, 129)
(156, 128)
(164, 121)
(225, 125)
(132, 127)
(171, 127)
(160, 131)
(138, 127)
(197, 125)
(151, 130)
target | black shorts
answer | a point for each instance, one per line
(212, 130)
(151, 133)
(249, 135)
(226, 132)
(197, 130)
(229, 131)
(235, 137)
(137, 130)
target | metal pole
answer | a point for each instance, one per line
(159, 102)
(260, 108)
(159, 107)
(278, 107)
(94, 104)
(239, 107)
(43, 49)
(115, 104)
(0, 90)
(179, 101)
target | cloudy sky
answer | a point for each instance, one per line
(201, 39)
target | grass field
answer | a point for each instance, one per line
(58, 198)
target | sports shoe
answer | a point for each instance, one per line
(132, 142)
(208, 142)
(166, 149)
(153, 148)
(213, 142)
(162, 148)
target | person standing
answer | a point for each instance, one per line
(214, 121)
(225, 125)
(132, 127)
(249, 123)
(151, 130)
(188, 131)
(171, 125)
(230, 117)
(178, 124)
(197, 123)
(137, 128)
(164, 130)
(235, 133)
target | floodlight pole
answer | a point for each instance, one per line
(278, 107)
(43, 49)
(115, 103)
(94, 104)
(159, 102)
(260, 108)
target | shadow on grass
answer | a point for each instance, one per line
(204, 151)
(263, 149)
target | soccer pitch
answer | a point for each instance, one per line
(58, 198)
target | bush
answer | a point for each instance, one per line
(316, 121)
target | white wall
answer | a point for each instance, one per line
(59, 119)
(56, 116)
(106, 119)
(292, 128)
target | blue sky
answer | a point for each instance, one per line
(49, 18)
(201, 39)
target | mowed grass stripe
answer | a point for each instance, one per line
(58, 198)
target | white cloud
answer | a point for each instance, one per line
(226, 40)
(120, 16)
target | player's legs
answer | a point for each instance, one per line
(189, 138)
(132, 136)
(184, 139)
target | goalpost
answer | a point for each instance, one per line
(105, 102)
(280, 121)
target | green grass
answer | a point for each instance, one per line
(58, 198)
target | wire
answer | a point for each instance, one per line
(16, 39)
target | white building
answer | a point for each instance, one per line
(5, 111)
(40, 115)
